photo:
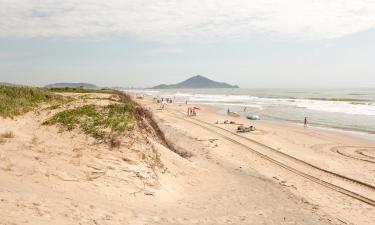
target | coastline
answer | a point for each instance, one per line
(333, 109)
(364, 134)
(338, 152)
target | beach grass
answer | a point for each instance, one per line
(17, 100)
(53, 107)
(79, 90)
(98, 121)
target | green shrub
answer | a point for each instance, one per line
(98, 121)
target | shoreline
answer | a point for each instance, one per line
(332, 114)
(364, 134)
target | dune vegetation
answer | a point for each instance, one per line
(62, 107)
(16, 100)
(79, 90)
(98, 121)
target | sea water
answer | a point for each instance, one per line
(351, 109)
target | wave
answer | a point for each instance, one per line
(141, 91)
(338, 107)
(340, 99)
(333, 105)
(216, 98)
(324, 105)
(233, 104)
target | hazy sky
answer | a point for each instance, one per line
(252, 43)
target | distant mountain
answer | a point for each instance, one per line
(71, 85)
(195, 83)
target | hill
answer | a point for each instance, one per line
(71, 85)
(195, 83)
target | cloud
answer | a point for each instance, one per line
(12, 55)
(186, 20)
(168, 50)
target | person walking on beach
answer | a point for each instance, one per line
(163, 104)
(305, 123)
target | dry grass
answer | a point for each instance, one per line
(19, 100)
(79, 90)
(115, 142)
(8, 134)
(184, 154)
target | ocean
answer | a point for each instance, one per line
(349, 109)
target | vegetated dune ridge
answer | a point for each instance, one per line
(51, 173)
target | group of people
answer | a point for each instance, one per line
(191, 111)
(244, 129)
(162, 101)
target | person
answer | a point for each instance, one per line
(163, 104)
(305, 123)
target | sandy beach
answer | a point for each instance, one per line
(342, 156)
(206, 173)
(206, 112)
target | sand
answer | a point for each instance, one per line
(53, 177)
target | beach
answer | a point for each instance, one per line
(187, 112)
(334, 151)
(197, 172)
(345, 109)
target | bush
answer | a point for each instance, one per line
(98, 121)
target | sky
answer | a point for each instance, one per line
(142, 43)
